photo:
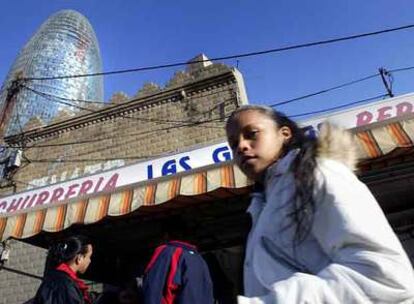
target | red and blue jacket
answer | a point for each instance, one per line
(177, 274)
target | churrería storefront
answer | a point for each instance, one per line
(123, 209)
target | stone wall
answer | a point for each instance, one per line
(16, 288)
(188, 112)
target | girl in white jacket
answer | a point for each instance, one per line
(318, 235)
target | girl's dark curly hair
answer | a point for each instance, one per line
(303, 167)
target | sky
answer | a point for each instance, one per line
(134, 34)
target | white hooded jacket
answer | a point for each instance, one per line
(351, 254)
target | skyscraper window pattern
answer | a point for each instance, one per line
(65, 44)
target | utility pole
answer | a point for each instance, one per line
(387, 82)
(11, 98)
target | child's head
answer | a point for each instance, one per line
(259, 136)
(176, 227)
(76, 251)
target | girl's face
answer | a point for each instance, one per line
(256, 141)
(83, 260)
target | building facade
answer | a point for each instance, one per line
(188, 112)
(65, 44)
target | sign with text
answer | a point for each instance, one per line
(365, 115)
(110, 180)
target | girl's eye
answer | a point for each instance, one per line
(252, 134)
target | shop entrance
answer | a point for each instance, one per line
(123, 245)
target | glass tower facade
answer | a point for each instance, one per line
(65, 44)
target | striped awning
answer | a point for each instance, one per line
(211, 183)
(379, 141)
(208, 184)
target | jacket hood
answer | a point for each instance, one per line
(337, 144)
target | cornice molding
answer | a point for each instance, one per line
(171, 94)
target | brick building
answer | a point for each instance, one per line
(189, 111)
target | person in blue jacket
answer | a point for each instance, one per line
(177, 273)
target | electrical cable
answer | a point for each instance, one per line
(275, 104)
(209, 111)
(144, 134)
(272, 105)
(93, 160)
(103, 103)
(339, 86)
(295, 115)
(108, 147)
(146, 157)
(402, 69)
(50, 97)
(340, 107)
(117, 144)
(236, 56)
(325, 90)
(58, 145)
(190, 124)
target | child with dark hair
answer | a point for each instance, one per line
(65, 260)
(318, 235)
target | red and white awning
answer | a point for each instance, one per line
(216, 182)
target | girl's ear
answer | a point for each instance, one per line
(285, 132)
(78, 259)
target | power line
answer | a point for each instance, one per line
(43, 94)
(325, 90)
(199, 123)
(340, 86)
(189, 124)
(271, 105)
(103, 103)
(65, 98)
(402, 69)
(236, 56)
(144, 133)
(340, 107)
(80, 142)
(93, 160)
(147, 157)
(114, 145)
(54, 98)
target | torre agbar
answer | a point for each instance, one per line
(65, 44)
